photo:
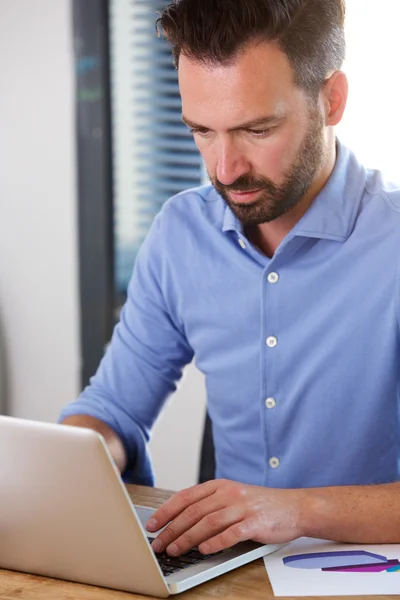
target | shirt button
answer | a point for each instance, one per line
(274, 462)
(270, 403)
(271, 341)
(273, 278)
(242, 244)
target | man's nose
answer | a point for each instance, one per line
(231, 163)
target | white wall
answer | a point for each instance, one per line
(176, 441)
(38, 247)
(370, 125)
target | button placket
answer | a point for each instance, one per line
(271, 412)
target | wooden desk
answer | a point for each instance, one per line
(250, 581)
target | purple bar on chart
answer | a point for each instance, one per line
(327, 560)
(376, 568)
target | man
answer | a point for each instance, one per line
(281, 279)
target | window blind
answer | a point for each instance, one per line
(154, 155)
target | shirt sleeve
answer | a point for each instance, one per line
(144, 359)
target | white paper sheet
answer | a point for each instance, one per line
(303, 575)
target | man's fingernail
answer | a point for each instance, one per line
(156, 545)
(151, 524)
(173, 550)
(204, 548)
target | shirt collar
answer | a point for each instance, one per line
(333, 212)
(230, 222)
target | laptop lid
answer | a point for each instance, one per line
(65, 513)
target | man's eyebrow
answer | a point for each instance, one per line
(263, 121)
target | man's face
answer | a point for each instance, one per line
(261, 137)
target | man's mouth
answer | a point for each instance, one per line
(248, 196)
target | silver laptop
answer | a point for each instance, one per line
(65, 513)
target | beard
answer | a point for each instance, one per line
(276, 200)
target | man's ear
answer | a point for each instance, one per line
(334, 97)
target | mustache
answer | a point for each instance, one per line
(245, 183)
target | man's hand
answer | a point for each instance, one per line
(218, 514)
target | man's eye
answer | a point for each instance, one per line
(201, 132)
(259, 132)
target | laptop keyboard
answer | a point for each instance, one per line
(172, 564)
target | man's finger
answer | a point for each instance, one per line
(213, 523)
(179, 501)
(238, 532)
(187, 519)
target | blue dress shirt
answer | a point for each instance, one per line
(300, 352)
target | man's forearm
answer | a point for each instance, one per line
(112, 440)
(355, 514)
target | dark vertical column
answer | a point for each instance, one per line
(94, 155)
(207, 456)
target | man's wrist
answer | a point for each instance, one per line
(314, 512)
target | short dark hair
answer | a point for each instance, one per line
(309, 32)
